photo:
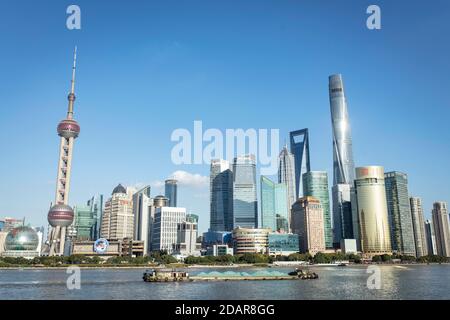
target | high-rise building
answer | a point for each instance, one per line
(371, 206)
(118, 219)
(399, 213)
(187, 244)
(83, 223)
(418, 226)
(274, 205)
(165, 228)
(61, 214)
(315, 184)
(142, 216)
(171, 191)
(300, 149)
(342, 214)
(343, 166)
(307, 219)
(221, 196)
(441, 226)
(87, 219)
(431, 238)
(245, 205)
(286, 174)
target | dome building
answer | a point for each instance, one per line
(22, 242)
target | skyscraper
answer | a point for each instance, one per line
(96, 204)
(343, 166)
(431, 238)
(286, 174)
(165, 228)
(142, 216)
(61, 214)
(300, 150)
(245, 206)
(221, 196)
(315, 184)
(418, 226)
(307, 222)
(118, 219)
(371, 206)
(274, 210)
(441, 228)
(399, 213)
(342, 213)
(83, 223)
(171, 192)
(87, 218)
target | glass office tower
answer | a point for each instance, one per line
(343, 166)
(430, 238)
(171, 192)
(286, 174)
(371, 207)
(274, 205)
(342, 214)
(399, 213)
(221, 196)
(300, 150)
(245, 206)
(315, 184)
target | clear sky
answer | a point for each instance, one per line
(146, 68)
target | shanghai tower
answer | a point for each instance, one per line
(343, 166)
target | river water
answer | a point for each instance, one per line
(397, 282)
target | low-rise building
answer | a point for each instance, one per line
(348, 246)
(283, 243)
(219, 250)
(250, 240)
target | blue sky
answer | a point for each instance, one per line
(146, 68)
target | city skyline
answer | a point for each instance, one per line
(306, 99)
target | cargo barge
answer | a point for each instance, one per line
(172, 275)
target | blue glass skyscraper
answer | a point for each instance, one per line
(171, 192)
(300, 149)
(221, 196)
(245, 206)
(274, 205)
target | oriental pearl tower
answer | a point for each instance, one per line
(61, 214)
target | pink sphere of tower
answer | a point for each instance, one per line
(68, 128)
(60, 215)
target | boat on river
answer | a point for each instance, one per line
(172, 275)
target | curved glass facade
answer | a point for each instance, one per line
(343, 166)
(22, 239)
(372, 210)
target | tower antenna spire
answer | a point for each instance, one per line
(71, 96)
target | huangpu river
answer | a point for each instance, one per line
(350, 282)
